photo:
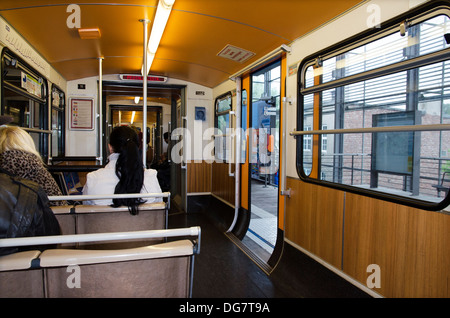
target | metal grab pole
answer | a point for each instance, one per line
(237, 161)
(283, 176)
(144, 94)
(100, 108)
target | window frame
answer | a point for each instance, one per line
(61, 111)
(423, 12)
(43, 132)
(225, 158)
(269, 78)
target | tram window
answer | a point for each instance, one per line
(58, 115)
(222, 141)
(387, 79)
(24, 98)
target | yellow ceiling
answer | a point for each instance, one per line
(196, 32)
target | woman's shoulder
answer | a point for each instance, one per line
(150, 172)
(18, 154)
(19, 159)
(102, 175)
(99, 172)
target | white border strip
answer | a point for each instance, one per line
(198, 193)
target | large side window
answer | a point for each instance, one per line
(24, 97)
(222, 124)
(383, 104)
(58, 122)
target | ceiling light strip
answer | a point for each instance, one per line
(159, 24)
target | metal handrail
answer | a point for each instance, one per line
(95, 237)
(437, 127)
(83, 197)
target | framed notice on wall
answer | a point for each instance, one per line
(81, 114)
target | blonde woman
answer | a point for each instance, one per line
(19, 157)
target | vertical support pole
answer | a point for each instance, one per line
(144, 94)
(100, 108)
(237, 152)
(283, 177)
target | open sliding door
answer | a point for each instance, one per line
(260, 205)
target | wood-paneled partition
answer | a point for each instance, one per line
(222, 184)
(204, 177)
(199, 177)
(351, 232)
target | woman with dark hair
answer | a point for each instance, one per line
(124, 173)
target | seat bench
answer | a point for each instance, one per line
(157, 270)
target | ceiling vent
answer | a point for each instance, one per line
(89, 34)
(235, 53)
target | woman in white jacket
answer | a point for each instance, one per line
(124, 173)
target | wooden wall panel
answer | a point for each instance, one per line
(411, 246)
(222, 184)
(314, 220)
(350, 232)
(199, 177)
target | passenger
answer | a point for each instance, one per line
(163, 174)
(125, 173)
(24, 211)
(19, 157)
(163, 168)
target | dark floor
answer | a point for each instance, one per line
(222, 270)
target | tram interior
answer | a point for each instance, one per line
(294, 213)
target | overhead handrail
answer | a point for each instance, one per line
(83, 197)
(36, 130)
(404, 65)
(96, 237)
(436, 127)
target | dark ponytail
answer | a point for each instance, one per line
(129, 167)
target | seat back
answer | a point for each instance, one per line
(133, 275)
(158, 270)
(83, 219)
(18, 279)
